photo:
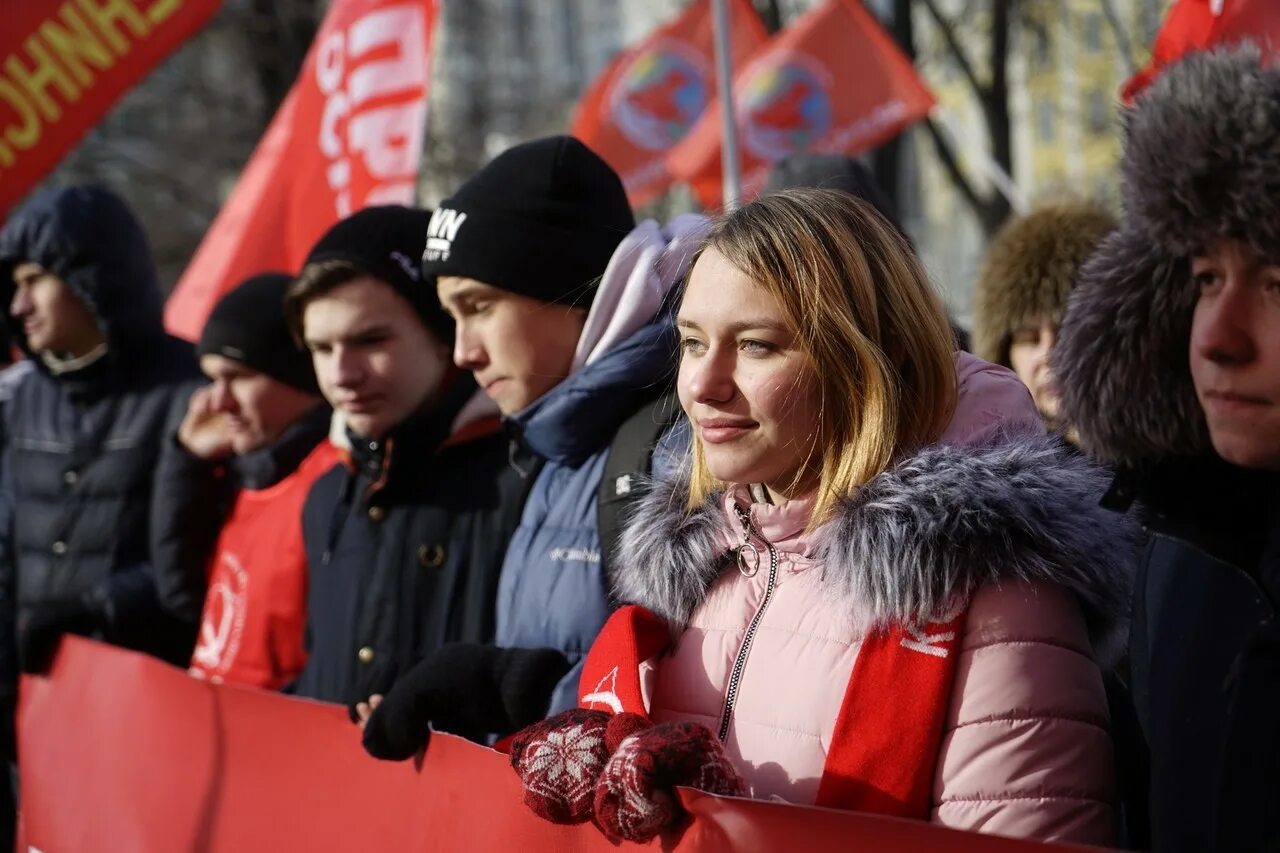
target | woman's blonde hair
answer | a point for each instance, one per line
(876, 333)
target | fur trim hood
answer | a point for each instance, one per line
(918, 539)
(1031, 266)
(1201, 161)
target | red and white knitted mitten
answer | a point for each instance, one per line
(635, 799)
(559, 760)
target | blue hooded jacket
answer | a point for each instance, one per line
(553, 592)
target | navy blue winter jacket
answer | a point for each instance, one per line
(82, 445)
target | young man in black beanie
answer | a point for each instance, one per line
(235, 475)
(405, 540)
(517, 256)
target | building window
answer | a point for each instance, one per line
(1045, 121)
(1099, 112)
(1041, 50)
(1093, 32)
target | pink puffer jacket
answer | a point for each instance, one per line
(996, 516)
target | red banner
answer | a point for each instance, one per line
(120, 752)
(649, 98)
(1194, 25)
(348, 135)
(64, 63)
(832, 82)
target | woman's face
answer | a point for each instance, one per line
(747, 387)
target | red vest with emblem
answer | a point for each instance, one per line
(255, 611)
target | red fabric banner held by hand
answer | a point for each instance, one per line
(64, 63)
(119, 752)
(348, 135)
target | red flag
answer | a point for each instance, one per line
(1194, 25)
(348, 135)
(832, 82)
(63, 65)
(649, 98)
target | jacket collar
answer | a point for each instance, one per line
(580, 416)
(917, 541)
(267, 466)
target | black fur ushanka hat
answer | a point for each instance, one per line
(1201, 161)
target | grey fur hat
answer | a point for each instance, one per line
(1201, 161)
(1031, 266)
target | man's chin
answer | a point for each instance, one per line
(1247, 451)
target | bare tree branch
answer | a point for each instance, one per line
(951, 166)
(948, 30)
(1121, 35)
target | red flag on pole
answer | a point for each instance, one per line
(65, 64)
(649, 98)
(832, 82)
(348, 135)
(1194, 25)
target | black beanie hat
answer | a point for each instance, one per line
(541, 220)
(386, 242)
(247, 325)
(833, 172)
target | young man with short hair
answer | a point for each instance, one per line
(558, 297)
(237, 470)
(405, 540)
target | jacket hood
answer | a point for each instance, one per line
(918, 540)
(1031, 266)
(88, 237)
(1201, 161)
(580, 416)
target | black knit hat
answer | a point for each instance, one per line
(386, 242)
(833, 172)
(541, 220)
(247, 325)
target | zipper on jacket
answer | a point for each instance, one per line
(740, 663)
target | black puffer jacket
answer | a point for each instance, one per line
(81, 446)
(404, 548)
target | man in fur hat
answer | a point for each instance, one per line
(1031, 266)
(1169, 364)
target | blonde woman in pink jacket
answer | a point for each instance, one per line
(876, 585)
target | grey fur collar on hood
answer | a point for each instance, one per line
(918, 539)
(1201, 161)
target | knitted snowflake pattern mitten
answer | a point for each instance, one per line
(635, 798)
(559, 760)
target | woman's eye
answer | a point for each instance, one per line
(1204, 280)
(691, 345)
(756, 347)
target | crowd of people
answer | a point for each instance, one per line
(722, 502)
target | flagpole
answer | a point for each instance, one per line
(730, 162)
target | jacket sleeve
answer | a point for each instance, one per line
(136, 600)
(1026, 749)
(8, 608)
(190, 501)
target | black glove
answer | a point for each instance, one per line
(42, 624)
(467, 689)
